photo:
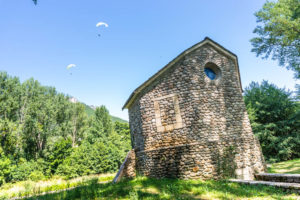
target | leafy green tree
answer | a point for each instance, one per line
(122, 140)
(279, 33)
(40, 121)
(103, 116)
(118, 147)
(58, 153)
(96, 131)
(86, 159)
(9, 95)
(64, 114)
(272, 112)
(298, 92)
(122, 128)
(9, 138)
(100, 126)
(78, 123)
(4, 167)
(10, 92)
(24, 170)
(42, 133)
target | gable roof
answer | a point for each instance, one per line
(206, 40)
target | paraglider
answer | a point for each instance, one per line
(70, 66)
(101, 24)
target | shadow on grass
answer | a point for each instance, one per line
(146, 188)
(289, 167)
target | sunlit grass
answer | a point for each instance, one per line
(288, 167)
(90, 187)
(29, 188)
(147, 188)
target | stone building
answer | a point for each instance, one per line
(189, 119)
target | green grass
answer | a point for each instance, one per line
(288, 167)
(29, 188)
(90, 187)
(147, 188)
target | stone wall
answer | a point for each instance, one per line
(127, 168)
(183, 122)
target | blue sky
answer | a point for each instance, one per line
(143, 35)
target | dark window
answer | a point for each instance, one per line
(210, 73)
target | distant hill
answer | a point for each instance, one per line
(90, 111)
(117, 119)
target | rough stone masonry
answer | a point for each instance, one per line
(189, 120)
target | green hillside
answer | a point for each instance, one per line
(91, 112)
(117, 119)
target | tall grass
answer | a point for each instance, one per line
(31, 188)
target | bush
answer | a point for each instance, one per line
(60, 151)
(22, 170)
(86, 159)
(36, 176)
(5, 169)
(25, 170)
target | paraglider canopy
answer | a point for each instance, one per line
(70, 66)
(101, 24)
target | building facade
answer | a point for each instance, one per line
(189, 120)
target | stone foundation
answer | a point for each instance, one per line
(201, 160)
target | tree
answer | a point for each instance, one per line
(102, 115)
(4, 167)
(40, 121)
(275, 120)
(298, 92)
(78, 123)
(10, 92)
(58, 153)
(86, 159)
(279, 33)
(42, 133)
(9, 95)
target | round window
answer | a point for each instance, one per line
(210, 73)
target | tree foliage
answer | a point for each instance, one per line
(42, 133)
(279, 33)
(275, 119)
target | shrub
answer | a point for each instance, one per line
(86, 159)
(36, 176)
(4, 167)
(60, 151)
(25, 170)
